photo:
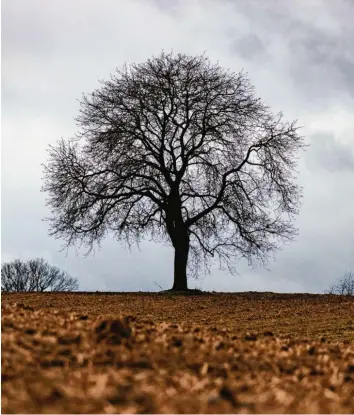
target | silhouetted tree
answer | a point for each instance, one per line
(182, 150)
(35, 275)
(344, 286)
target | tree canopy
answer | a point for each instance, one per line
(181, 150)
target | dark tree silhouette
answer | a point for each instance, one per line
(344, 286)
(35, 275)
(181, 150)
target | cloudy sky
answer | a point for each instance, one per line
(298, 54)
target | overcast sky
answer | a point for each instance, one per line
(298, 54)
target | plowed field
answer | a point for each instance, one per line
(163, 353)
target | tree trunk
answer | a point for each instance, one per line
(180, 240)
(180, 267)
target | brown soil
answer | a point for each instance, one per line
(151, 353)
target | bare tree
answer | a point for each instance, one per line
(14, 276)
(344, 286)
(35, 275)
(183, 151)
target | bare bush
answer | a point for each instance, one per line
(344, 286)
(35, 275)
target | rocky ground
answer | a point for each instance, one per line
(151, 353)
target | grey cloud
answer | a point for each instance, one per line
(321, 65)
(319, 59)
(250, 47)
(330, 154)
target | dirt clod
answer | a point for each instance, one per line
(112, 331)
(226, 393)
